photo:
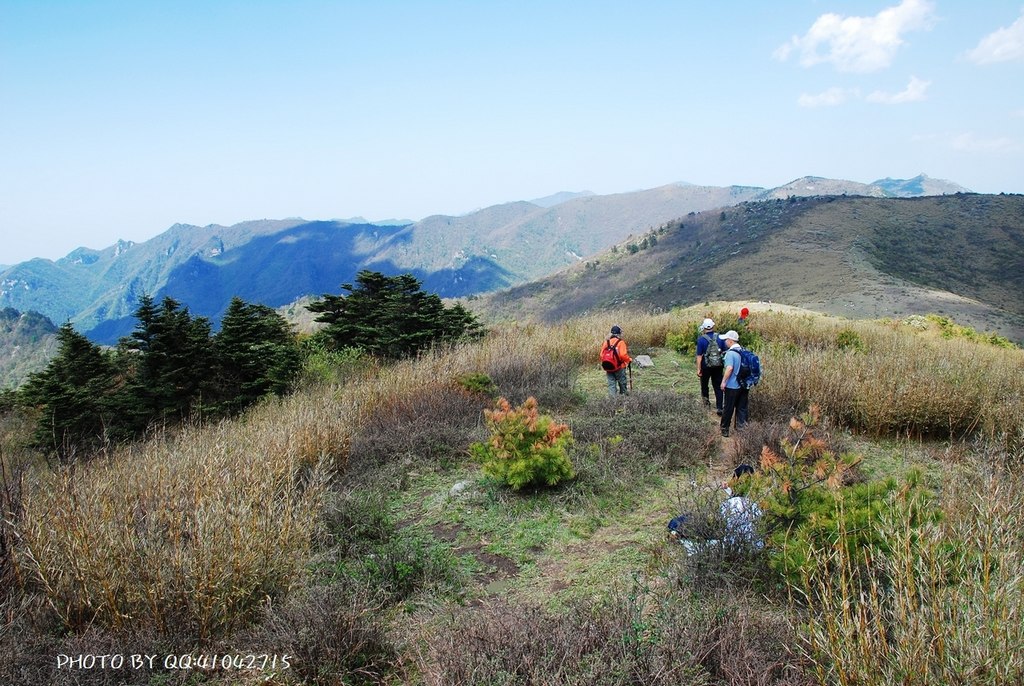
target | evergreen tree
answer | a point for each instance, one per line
(255, 354)
(172, 358)
(390, 316)
(78, 397)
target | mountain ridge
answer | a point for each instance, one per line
(495, 247)
(854, 256)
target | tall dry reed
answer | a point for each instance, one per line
(894, 381)
(941, 604)
(186, 534)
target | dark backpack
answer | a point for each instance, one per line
(610, 360)
(713, 356)
(749, 374)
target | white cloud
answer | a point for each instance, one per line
(830, 98)
(1003, 45)
(859, 44)
(914, 92)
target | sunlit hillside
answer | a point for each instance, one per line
(860, 257)
(344, 533)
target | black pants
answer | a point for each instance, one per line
(714, 375)
(735, 401)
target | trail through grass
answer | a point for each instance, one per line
(546, 548)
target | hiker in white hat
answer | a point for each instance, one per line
(736, 396)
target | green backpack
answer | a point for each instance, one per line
(713, 356)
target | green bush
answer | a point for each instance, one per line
(950, 329)
(847, 518)
(811, 499)
(526, 448)
(324, 364)
(477, 382)
(848, 339)
(685, 342)
(750, 337)
(682, 343)
(406, 563)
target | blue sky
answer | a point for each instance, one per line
(119, 119)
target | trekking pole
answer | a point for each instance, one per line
(630, 365)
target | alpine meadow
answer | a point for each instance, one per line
(409, 490)
(512, 344)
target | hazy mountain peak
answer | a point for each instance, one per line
(922, 184)
(380, 222)
(818, 185)
(559, 198)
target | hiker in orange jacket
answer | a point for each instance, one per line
(615, 360)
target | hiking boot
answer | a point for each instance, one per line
(725, 433)
(718, 412)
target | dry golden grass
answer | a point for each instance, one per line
(943, 605)
(190, 533)
(899, 381)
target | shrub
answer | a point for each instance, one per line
(748, 444)
(813, 498)
(330, 632)
(950, 329)
(322, 364)
(476, 382)
(374, 551)
(405, 564)
(714, 554)
(356, 517)
(682, 343)
(623, 441)
(30, 640)
(630, 638)
(685, 342)
(526, 448)
(848, 339)
(426, 424)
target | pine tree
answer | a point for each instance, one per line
(255, 354)
(172, 358)
(390, 316)
(78, 397)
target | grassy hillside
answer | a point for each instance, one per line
(858, 257)
(347, 527)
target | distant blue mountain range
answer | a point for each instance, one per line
(276, 262)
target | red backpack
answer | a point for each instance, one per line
(610, 360)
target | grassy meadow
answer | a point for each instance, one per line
(344, 535)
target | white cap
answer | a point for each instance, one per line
(707, 325)
(731, 336)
